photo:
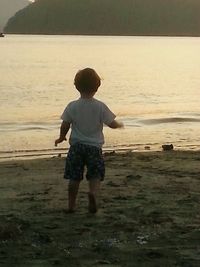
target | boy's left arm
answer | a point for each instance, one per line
(116, 124)
(64, 128)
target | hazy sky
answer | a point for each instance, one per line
(8, 8)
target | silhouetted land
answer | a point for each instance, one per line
(108, 17)
(8, 8)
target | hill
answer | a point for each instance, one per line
(8, 8)
(108, 17)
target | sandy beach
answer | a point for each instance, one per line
(148, 216)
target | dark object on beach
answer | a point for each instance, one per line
(147, 147)
(1, 34)
(167, 147)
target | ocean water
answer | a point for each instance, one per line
(152, 84)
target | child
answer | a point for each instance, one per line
(86, 117)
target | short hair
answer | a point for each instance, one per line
(87, 80)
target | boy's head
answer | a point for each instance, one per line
(87, 81)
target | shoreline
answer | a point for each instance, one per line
(148, 213)
(60, 152)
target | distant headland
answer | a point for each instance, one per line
(8, 8)
(108, 17)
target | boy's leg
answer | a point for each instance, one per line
(95, 174)
(74, 168)
(94, 186)
(72, 194)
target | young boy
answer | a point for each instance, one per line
(86, 117)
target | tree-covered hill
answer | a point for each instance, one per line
(108, 17)
(8, 8)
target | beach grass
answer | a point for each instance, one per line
(148, 216)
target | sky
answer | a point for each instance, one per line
(8, 8)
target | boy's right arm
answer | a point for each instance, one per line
(116, 124)
(64, 128)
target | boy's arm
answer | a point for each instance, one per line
(109, 118)
(64, 128)
(116, 124)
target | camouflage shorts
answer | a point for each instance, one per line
(81, 156)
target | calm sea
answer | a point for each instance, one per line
(151, 83)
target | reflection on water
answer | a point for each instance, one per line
(151, 83)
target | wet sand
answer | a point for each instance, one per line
(148, 216)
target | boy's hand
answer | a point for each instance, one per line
(59, 140)
(120, 124)
(116, 124)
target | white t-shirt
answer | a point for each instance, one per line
(87, 117)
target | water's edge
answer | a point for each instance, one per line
(62, 152)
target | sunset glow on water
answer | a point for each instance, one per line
(151, 83)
